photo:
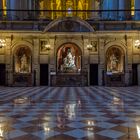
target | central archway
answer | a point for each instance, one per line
(69, 58)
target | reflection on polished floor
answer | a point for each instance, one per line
(69, 113)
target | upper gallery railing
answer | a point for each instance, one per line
(29, 15)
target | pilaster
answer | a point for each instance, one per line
(35, 65)
(51, 58)
(9, 62)
(101, 67)
(51, 55)
(128, 63)
(86, 52)
(138, 74)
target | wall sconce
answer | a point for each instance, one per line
(92, 46)
(48, 47)
(2, 43)
(89, 47)
(137, 44)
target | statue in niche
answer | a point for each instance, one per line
(68, 62)
(22, 60)
(113, 63)
(24, 64)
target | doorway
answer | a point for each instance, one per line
(93, 74)
(2, 75)
(134, 74)
(43, 74)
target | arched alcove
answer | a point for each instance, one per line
(22, 59)
(114, 60)
(69, 58)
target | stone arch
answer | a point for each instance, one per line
(118, 44)
(68, 58)
(60, 42)
(69, 24)
(16, 44)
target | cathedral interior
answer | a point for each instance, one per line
(69, 42)
(69, 69)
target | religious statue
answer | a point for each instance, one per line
(113, 63)
(24, 64)
(69, 61)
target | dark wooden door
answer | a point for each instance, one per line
(134, 74)
(2, 74)
(43, 74)
(93, 74)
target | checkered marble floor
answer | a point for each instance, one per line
(69, 113)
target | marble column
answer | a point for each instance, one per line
(23, 5)
(30, 8)
(18, 5)
(137, 7)
(15, 5)
(31, 5)
(110, 5)
(113, 5)
(124, 5)
(105, 6)
(12, 6)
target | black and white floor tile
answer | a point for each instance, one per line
(69, 113)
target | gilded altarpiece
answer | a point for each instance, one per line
(68, 5)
